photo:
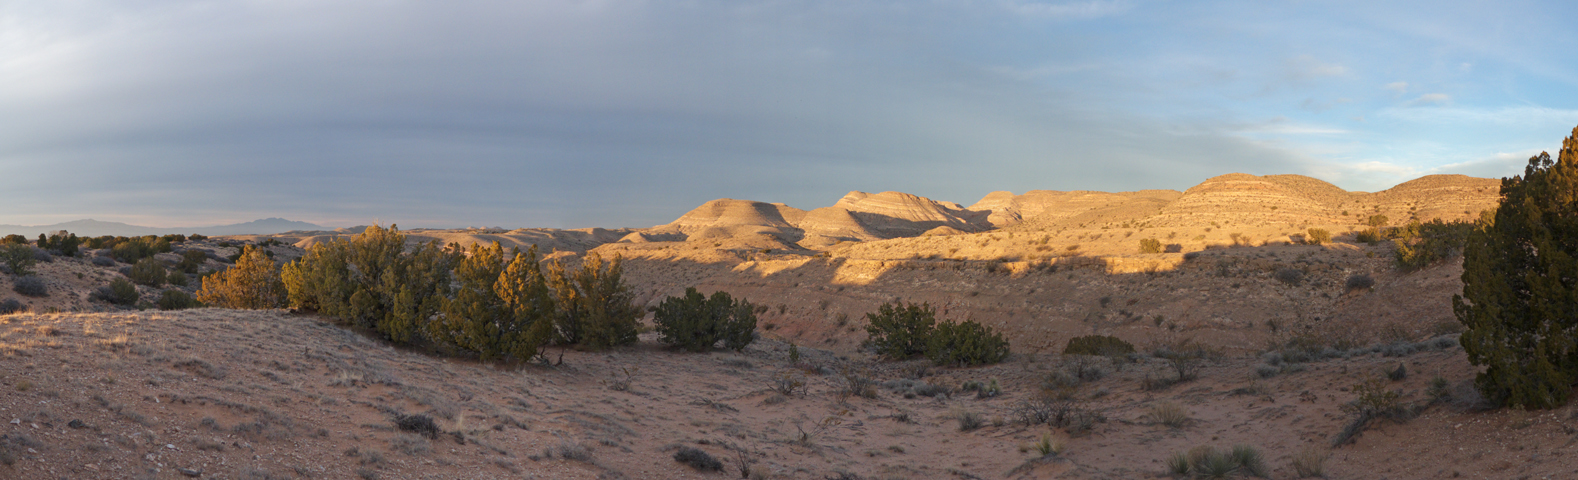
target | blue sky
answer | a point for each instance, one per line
(629, 113)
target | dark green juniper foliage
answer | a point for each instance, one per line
(498, 310)
(371, 281)
(596, 308)
(965, 344)
(1422, 244)
(900, 331)
(1520, 286)
(19, 258)
(695, 322)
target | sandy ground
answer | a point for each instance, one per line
(218, 393)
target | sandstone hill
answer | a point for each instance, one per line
(93, 390)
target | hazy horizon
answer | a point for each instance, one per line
(627, 114)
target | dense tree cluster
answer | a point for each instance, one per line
(1520, 286)
(477, 301)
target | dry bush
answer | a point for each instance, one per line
(1169, 414)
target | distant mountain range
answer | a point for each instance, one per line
(95, 228)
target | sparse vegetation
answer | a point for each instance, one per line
(1150, 245)
(1170, 414)
(31, 286)
(1359, 282)
(1206, 461)
(1316, 236)
(698, 459)
(1102, 345)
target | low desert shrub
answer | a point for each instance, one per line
(176, 300)
(1290, 276)
(1370, 236)
(148, 271)
(1206, 461)
(31, 286)
(1102, 345)
(696, 323)
(103, 261)
(1170, 414)
(900, 331)
(18, 258)
(1360, 282)
(119, 292)
(698, 459)
(965, 344)
(971, 421)
(1309, 463)
(177, 278)
(1048, 446)
(192, 260)
(417, 423)
(10, 306)
(1372, 402)
(1150, 245)
(1318, 236)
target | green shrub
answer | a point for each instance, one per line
(695, 322)
(192, 260)
(1423, 244)
(1102, 345)
(1150, 245)
(253, 283)
(133, 249)
(1519, 302)
(64, 242)
(120, 292)
(498, 310)
(596, 308)
(31, 286)
(1370, 236)
(176, 300)
(148, 271)
(14, 239)
(19, 258)
(965, 344)
(1317, 237)
(372, 281)
(10, 306)
(899, 331)
(176, 278)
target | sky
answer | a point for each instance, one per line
(615, 113)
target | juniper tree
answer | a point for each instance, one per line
(1520, 286)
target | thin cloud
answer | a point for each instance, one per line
(1397, 88)
(1429, 99)
(1071, 10)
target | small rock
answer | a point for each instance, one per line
(190, 472)
(77, 424)
(16, 421)
(169, 446)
